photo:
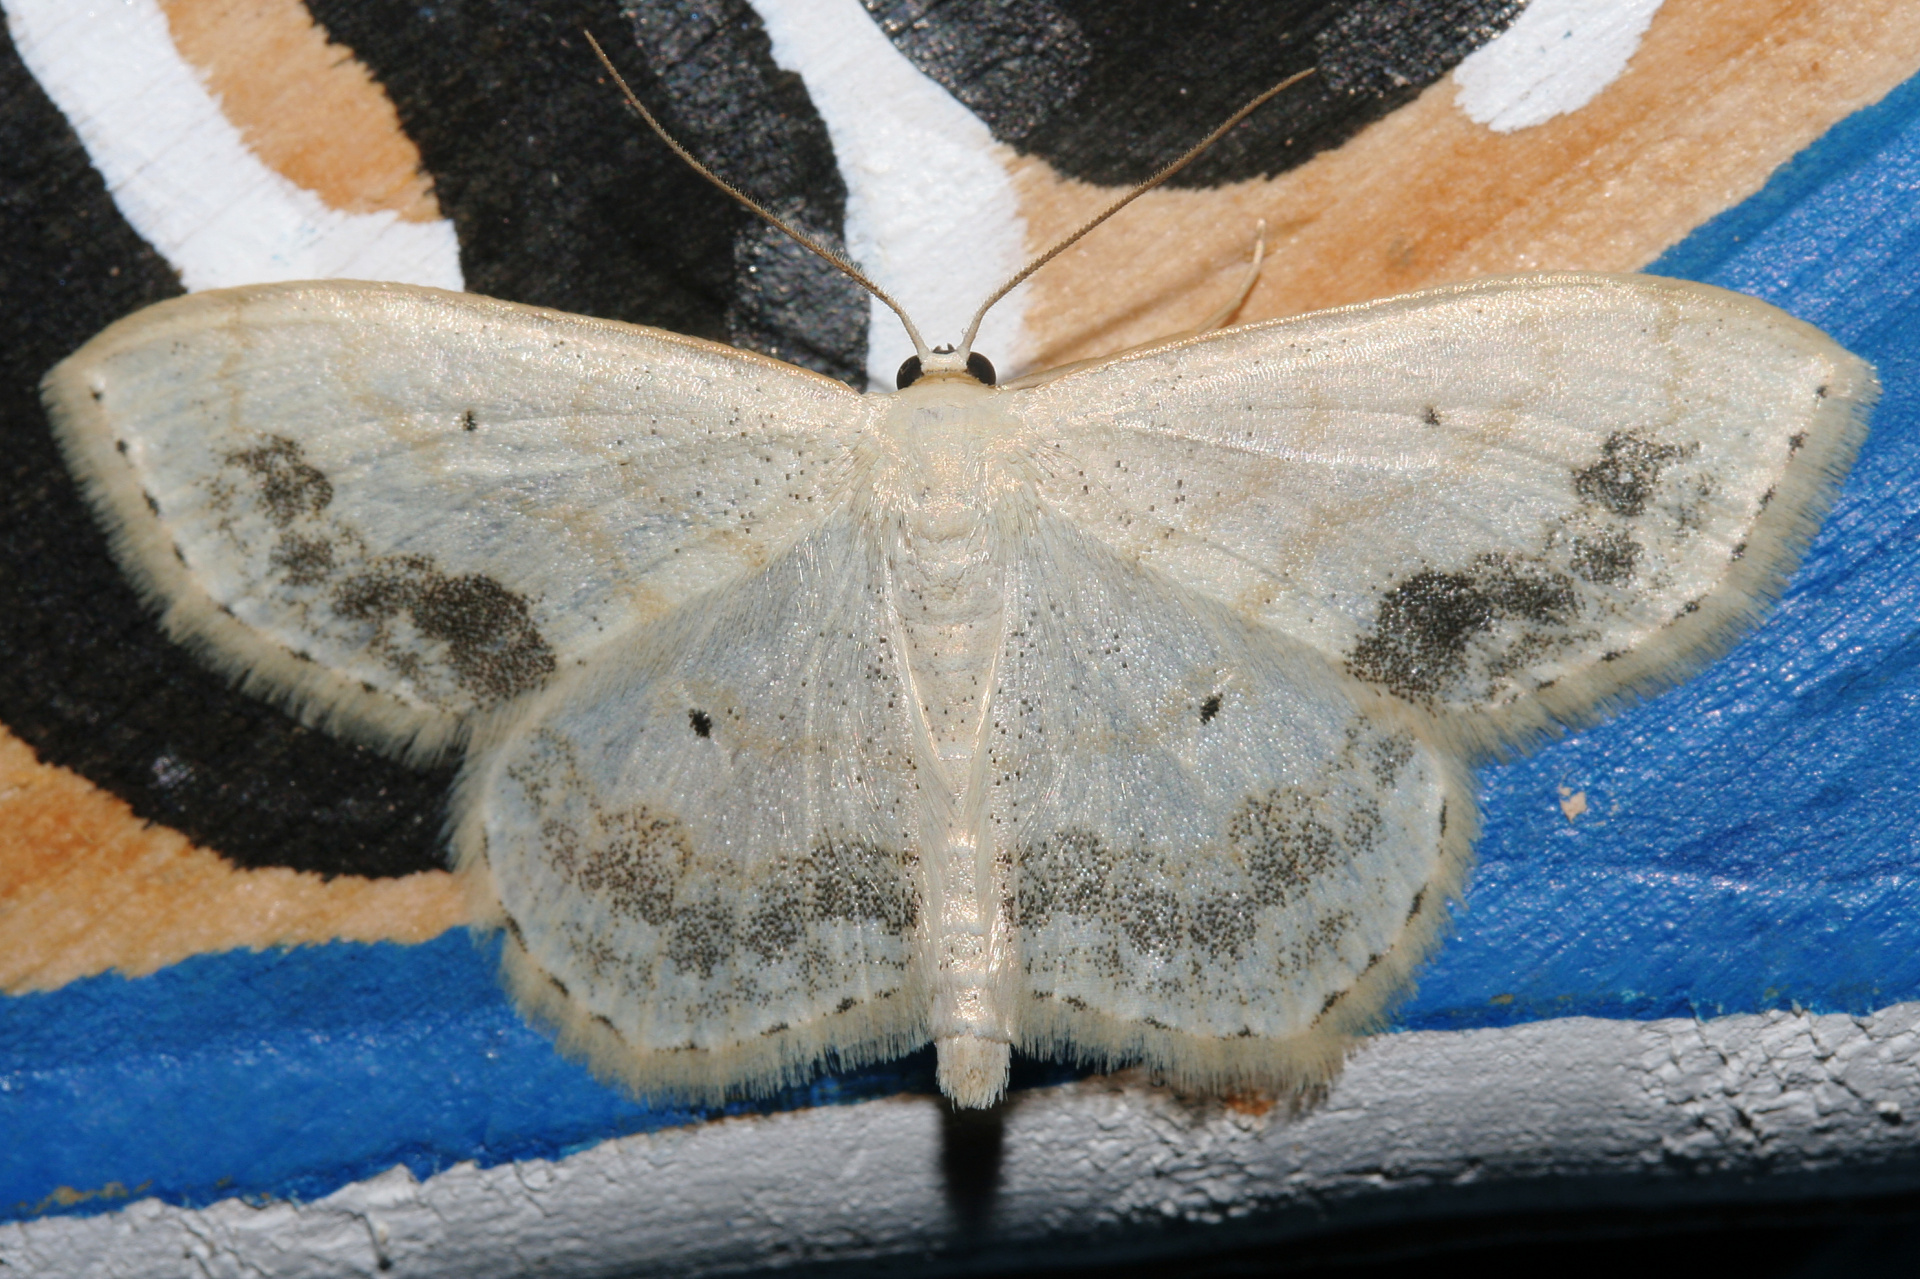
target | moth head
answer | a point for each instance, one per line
(945, 362)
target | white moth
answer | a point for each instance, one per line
(1121, 713)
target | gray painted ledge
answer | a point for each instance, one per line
(1578, 1112)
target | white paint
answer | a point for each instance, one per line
(1581, 1111)
(1555, 58)
(931, 212)
(180, 171)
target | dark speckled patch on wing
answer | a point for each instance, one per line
(487, 630)
(287, 486)
(1249, 911)
(1428, 624)
(646, 914)
(1493, 628)
(1623, 478)
(459, 639)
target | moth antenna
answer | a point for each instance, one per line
(799, 237)
(1193, 153)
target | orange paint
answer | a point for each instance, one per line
(87, 887)
(305, 106)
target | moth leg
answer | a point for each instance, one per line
(1252, 277)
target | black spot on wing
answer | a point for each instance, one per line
(701, 722)
(1209, 709)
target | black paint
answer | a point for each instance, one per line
(1107, 91)
(718, 89)
(563, 198)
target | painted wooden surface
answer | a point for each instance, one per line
(173, 855)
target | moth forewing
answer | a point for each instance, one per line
(1506, 503)
(393, 508)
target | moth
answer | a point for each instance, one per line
(1123, 713)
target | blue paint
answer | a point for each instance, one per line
(291, 1073)
(1750, 840)
(1749, 843)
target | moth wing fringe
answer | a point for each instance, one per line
(312, 693)
(876, 1029)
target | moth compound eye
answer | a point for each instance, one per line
(981, 368)
(909, 373)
